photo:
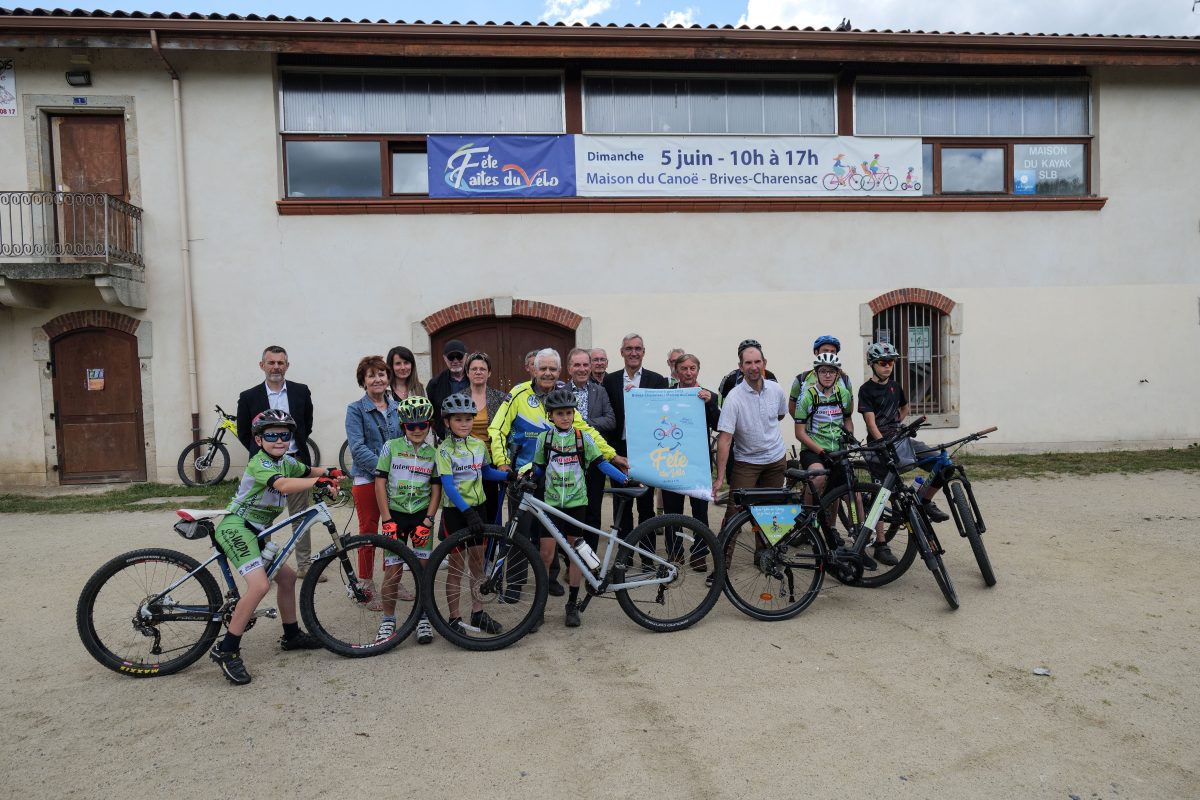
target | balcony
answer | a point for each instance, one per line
(58, 239)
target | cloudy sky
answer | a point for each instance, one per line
(1162, 17)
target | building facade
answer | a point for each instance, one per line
(177, 193)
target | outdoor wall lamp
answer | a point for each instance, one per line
(79, 77)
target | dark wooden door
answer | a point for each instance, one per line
(98, 407)
(506, 340)
(89, 156)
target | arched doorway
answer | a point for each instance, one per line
(506, 333)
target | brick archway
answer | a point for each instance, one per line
(74, 320)
(487, 307)
(924, 296)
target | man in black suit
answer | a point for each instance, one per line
(633, 350)
(295, 399)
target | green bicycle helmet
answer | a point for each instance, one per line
(459, 404)
(272, 418)
(881, 351)
(561, 397)
(415, 409)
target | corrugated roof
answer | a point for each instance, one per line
(196, 16)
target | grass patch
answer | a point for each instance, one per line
(1039, 465)
(118, 499)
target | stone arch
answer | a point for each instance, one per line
(74, 320)
(501, 307)
(911, 295)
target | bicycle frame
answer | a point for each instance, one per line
(543, 512)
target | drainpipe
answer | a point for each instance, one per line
(185, 252)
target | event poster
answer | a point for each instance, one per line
(667, 440)
(501, 166)
(8, 88)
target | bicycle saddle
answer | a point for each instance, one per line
(620, 491)
(191, 514)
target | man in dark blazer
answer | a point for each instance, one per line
(294, 398)
(633, 376)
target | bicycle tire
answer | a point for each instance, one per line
(691, 595)
(889, 182)
(831, 182)
(344, 460)
(341, 618)
(473, 559)
(932, 558)
(838, 500)
(760, 579)
(968, 528)
(203, 463)
(116, 595)
(314, 453)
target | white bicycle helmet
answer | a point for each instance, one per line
(827, 360)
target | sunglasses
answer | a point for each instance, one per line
(886, 363)
(277, 436)
(455, 357)
(415, 426)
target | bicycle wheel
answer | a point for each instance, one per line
(203, 463)
(339, 612)
(842, 517)
(932, 558)
(683, 601)
(314, 453)
(830, 182)
(771, 582)
(344, 460)
(132, 625)
(890, 182)
(481, 583)
(966, 521)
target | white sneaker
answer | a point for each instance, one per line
(424, 631)
(387, 629)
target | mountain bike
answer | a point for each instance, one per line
(206, 462)
(502, 572)
(155, 611)
(960, 496)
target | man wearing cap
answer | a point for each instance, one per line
(735, 377)
(749, 428)
(451, 380)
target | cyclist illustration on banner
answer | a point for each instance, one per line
(668, 440)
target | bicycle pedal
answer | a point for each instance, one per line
(269, 613)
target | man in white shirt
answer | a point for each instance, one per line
(749, 427)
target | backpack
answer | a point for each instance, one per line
(819, 401)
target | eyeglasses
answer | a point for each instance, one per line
(277, 436)
(415, 426)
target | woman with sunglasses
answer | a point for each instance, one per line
(370, 421)
(487, 401)
(402, 374)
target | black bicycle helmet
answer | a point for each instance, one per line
(881, 351)
(561, 397)
(748, 343)
(272, 418)
(459, 404)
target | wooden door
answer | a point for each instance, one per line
(98, 406)
(89, 156)
(506, 340)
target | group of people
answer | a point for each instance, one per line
(446, 446)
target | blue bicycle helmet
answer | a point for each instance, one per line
(821, 340)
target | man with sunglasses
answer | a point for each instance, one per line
(294, 399)
(452, 380)
(884, 405)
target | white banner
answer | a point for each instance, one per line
(747, 166)
(8, 88)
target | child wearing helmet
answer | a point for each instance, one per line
(270, 476)
(823, 344)
(463, 465)
(822, 408)
(408, 497)
(562, 456)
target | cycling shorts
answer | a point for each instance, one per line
(239, 542)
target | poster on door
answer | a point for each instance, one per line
(95, 380)
(8, 88)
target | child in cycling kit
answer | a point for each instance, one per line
(823, 344)
(822, 409)
(270, 476)
(884, 405)
(408, 498)
(462, 466)
(562, 457)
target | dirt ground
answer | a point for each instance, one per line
(869, 693)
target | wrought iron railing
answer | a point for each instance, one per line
(70, 226)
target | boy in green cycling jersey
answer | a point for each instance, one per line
(270, 476)
(823, 344)
(408, 498)
(564, 453)
(822, 409)
(463, 465)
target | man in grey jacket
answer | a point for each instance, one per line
(594, 406)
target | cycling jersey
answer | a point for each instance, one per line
(520, 420)
(823, 414)
(408, 471)
(464, 459)
(566, 482)
(255, 500)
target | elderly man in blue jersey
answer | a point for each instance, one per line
(522, 416)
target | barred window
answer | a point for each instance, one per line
(919, 334)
